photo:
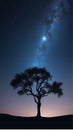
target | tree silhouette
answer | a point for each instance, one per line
(36, 82)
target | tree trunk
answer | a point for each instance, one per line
(38, 108)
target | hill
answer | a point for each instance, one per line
(8, 121)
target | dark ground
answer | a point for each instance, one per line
(7, 121)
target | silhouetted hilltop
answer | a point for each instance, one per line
(8, 121)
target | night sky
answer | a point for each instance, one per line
(36, 33)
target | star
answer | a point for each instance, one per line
(44, 38)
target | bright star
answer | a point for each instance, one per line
(44, 38)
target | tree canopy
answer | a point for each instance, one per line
(36, 82)
(41, 77)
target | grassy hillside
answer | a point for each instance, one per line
(7, 121)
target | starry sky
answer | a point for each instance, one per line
(36, 33)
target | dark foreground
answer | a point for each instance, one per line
(7, 121)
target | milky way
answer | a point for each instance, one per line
(57, 10)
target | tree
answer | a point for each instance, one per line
(36, 82)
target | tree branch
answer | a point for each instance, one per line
(33, 93)
(41, 83)
(35, 100)
(46, 94)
